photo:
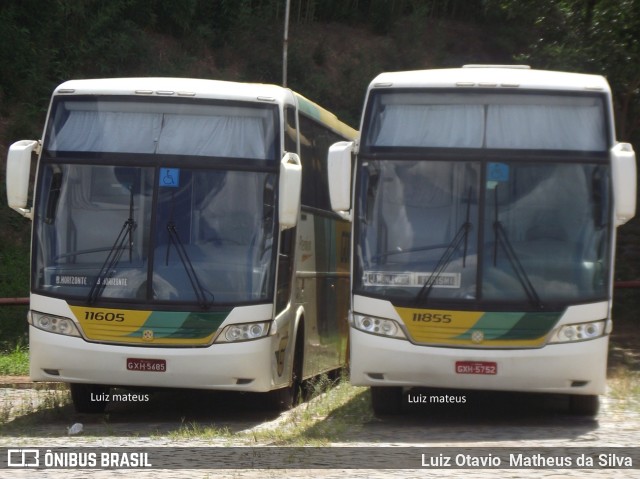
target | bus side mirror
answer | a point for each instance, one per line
(339, 169)
(289, 190)
(18, 173)
(623, 171)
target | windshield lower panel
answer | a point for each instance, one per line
(152, 234)
(482, 232)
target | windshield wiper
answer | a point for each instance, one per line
(199, 290)
(503, 240)
(115, 253)
(461, 235)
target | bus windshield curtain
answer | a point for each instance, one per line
(576, 125)
(436, 126)
(134, 132)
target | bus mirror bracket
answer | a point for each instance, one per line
(289, 190)
(623, 171)
(18, 175)
(339, 170)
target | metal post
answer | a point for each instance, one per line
(285, 44)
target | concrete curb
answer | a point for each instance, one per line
(25, 382)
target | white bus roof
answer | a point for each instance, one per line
(178, 87)
(498, 77)
(202, 88)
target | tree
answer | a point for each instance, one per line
(590, 36)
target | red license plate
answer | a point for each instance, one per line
(476, 367)
(146, 365)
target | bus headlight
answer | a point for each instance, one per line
(243, 332)
(53, 324)
(578, 332)
(379, 326)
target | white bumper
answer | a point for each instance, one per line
(242, 366)
(578, 368)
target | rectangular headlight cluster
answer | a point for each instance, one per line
(571, 333)
(378, 326)
(243, 332)
(53, 324)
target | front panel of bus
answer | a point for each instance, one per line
(483, 239)
(155, 222)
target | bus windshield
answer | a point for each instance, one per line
(503, 231)
(155, 200)
(154, 234)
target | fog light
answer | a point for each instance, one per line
(256, 330)
(591, 330)
(388, 328)
(233, 334)
(569, 333)
(368, 324)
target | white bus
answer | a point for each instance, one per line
(485, 202)
(183, 237)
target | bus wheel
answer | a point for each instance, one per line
(287, 397)
(89, 398)
(386, 401)
(581, 405)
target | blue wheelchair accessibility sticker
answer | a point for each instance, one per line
(498, 172)
(170, 177)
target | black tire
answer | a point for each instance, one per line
(282, 399)
(89, 398)
(582, 405)
(386, 401)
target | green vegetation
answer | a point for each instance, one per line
(15, 362)
(35, 405)
(624, 389)
(332, 409)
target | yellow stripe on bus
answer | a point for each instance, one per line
(105, 323)
(120, 326)
(444, 327)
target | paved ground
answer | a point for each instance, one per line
(492, 421)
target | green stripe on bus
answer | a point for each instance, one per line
(183, 325)
(513, 326)
(533, 325)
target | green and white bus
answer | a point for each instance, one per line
(485, 202)
(183, 237)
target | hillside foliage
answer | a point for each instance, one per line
(336, 46)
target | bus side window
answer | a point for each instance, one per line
(290, 131)
(285, 268)
(315, 140)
